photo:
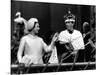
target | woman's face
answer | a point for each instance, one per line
(36, 28)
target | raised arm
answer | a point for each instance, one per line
(52, 44)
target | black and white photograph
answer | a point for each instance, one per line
(52, 37)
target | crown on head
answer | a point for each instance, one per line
(69, 15)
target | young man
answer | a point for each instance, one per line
(70, 35)
(32, 45)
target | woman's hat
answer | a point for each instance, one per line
(31, 23)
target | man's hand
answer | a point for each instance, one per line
(74, 52)
(84, 35)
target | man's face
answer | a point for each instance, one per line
(69, 24)
(36, 28)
